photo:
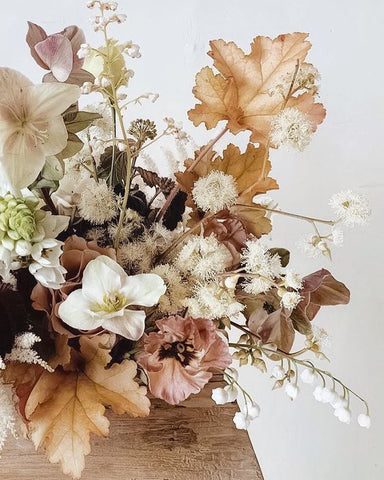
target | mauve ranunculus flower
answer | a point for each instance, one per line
(77, 253)
(177, 359)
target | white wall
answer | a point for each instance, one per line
(300, 440)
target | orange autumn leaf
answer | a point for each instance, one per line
(65, 407)
(247, 169)
(242, 92)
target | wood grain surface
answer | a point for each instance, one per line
(196, 440)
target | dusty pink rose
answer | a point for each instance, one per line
(58, 53)
(178, 357)
(77, 253)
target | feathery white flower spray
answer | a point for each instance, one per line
(23, 352)
(177, 291)
(291, 128)
(350, 207)
(212, 300)
(203, 257)
(215, 192)
(98, 203)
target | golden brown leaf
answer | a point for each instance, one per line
(247, 169)
(65, 407)
(241, 92)
(254, 220)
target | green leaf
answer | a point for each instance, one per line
(282, 253)
(74, 145)
(81, 120)
(119, 166)
(53, 169)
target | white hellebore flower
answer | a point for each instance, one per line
(106, 293)
(31, 126)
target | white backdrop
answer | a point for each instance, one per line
(293, 440)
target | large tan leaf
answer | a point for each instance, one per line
(247, 169)
(65, 407)
(241, 92)
(253, 219)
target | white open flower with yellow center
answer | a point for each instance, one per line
(31, 126)
(106, 293)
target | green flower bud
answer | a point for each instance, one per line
(17, 217)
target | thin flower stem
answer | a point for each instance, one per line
(115, 105)
(290, 91)
(176, 189)
(288, 356)
(113, 113)
(288, 214)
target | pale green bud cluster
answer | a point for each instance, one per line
(18, 218)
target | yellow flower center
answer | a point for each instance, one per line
(112, 302)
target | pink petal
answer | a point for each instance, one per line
(35, 35)
(56, 52)
(76, 36)
(174, 383)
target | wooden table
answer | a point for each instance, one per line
(196, 440)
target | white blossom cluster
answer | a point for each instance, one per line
(350, 207)
(203, 257)
(266, 272)
(322, 394)
(306, 79)
(249, 411)
(98, 203)
(291, 128)
(212, 300)
(214, 192)
(177, 288)
(23, 352)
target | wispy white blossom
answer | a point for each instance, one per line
(291, 128)
(350, 207)
(215, 192)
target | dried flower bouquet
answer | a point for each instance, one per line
(117, 280)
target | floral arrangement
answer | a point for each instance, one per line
(117, 279)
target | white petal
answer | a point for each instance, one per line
(57, 136)
(75, 312)
(20, 170)
(12, 83)
(49, 100)
(54, 224)
(102, 275)
(131, 325)
(144, 289)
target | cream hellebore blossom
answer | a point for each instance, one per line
(106, 293)
(31, 126)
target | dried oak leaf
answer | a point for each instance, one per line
(319, 289)
(63, 408)
(241, 92)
